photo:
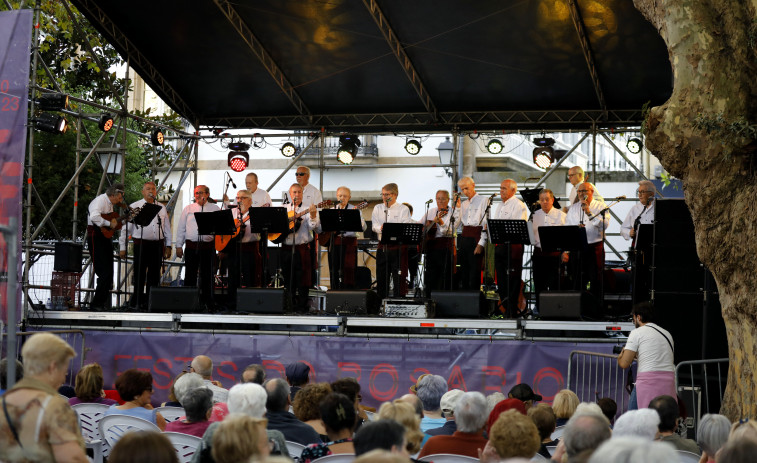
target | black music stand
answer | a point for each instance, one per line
(561, 239)
(146, 214)
(338, 221)
(396, 234)
(507, 232)
(265, 220)
(212, 224)
(642, 250)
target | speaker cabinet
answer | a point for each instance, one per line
(458, 304)
(270, 301)
(173, 300)
(567, 305)
(352, 302)
(67, 257)
(363, 278)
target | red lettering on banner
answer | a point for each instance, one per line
(5, 135)
(497, 372)
(352, 367)
(548, 373)
(137, 358)
(226, 375)
(418, 372)
(311, 375)
(517, 378)
(165, 374)
(383, 395)
(116, 358)
(456, 380)
(275, 365)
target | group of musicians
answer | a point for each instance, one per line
(455, 235)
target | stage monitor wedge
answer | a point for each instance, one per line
(268, 301)
(458, 304)
(173, 300)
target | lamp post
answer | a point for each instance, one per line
(445, 149)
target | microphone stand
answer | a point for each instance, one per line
(486, 260)
(452, 230)
(424, 238)
(387, 272)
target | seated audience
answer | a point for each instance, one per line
(609, 408)
(4, 373)
(351, 388)
(135, 387)
(712, 434)
(307, 403)
(493, 399)
(381, 434)
(667, 408)
(507, 404)
(403, 413)
(638, 423)
(297, 375)
(198, 404)
(89, 386)
(564, 405)
(741, 450)
(203, 366)
(512, 436)
(253, 374)
(172, 400)
(45, 424)
(584, 432)
(449, 400)
(470, 416)
(544, 418)
(279, 417)
(338, 414)
(632, 450)
(191, 381)
(525, 394)
(430, 390)
(414, 402)
(381, 456)
(240, 438)
(743, 428)
(143, 446)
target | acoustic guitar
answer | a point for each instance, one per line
(325, 237)
(120, 219)
(223, 240)
(294, 222)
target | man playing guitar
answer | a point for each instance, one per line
(343, 248)
(297, 261)
(101, 225)
(440, 247)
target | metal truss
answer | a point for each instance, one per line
(583, 39)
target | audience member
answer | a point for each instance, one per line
(639, 423)
(191, 381)
(470, 416)
(381, 456)
(493, 399)
(414, 402)
(525, 394)
(403, 413)
(382, 434)
(198, 404)
(512, 436)
(279, 417)
(712, 434)
(667, 409)
(584, 432)
(743, 428)
(609, 408)
(172, 400)
(449, 400)
(430, 390)
(564, 405)
(203, 366)
(544, 418)
(135, 387)
(89, 386)
(240, 438)
(740, 450)
(297, 375)
(338, 414)
(142, 446)
(307, 403)
(253, 374)
(4, 374)
(351, 388)
(507, 404)
(44, 423)
(633, 450)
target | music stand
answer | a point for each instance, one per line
(146, 214)
(211, 224)
(396, 234)
(337, 221)
(265, 220)
(642, 247)
(563, 238)
(507, 232)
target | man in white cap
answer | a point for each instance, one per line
(448, 402)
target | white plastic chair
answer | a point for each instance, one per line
(184, 444)
(538, 457)
(551, 449)
(446, 458)
(113, 427)
(688, 457)
(371, 416)
(557, 433)
(295, 449)
(89, 417)
(338, 458)
(171, 413)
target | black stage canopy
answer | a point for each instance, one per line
(393, 65)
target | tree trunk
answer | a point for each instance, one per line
(705, 135)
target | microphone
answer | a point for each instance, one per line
(620, 197)
(492, 196)
(231, 181)
(429, 202)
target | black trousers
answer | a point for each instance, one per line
(200, 257)
(546, 267)
(101, 250)
(297, 273)
(342, 262)
(391, 265)
(148, 259)
(469, 264)
(508, 279)
(440, 261)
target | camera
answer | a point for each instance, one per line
(616, 349)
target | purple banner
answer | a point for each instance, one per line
(16, 34)
(385, 368)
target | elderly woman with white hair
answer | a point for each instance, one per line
(38, 424)
(641, 423)
(246, 399)
(712, 434)
(192, 381)
(631, 449)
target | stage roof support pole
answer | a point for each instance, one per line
(583, 39)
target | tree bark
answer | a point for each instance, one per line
(704, 135)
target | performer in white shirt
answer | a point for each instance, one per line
(260, 197)
(243, 251)
(310, 194)
(343, 248)
(587, 213)
(641, 213)
(546, 263)
(101, 246)
(440, 222)
(390, 259)
(200, 249)
(575, 177)
(472, 239)
(296, 256)
(509, 279)
(151, 245)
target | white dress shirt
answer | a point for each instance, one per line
(307, 226)
(398, 213)
(351, 234)
(542, 219)
(99, 206)
(187, 229)
(595, 226)
(245, 236)
(153, 232)
(638, 210)
(443, 229)
(261, 198)
(311, 195)
(472, 213)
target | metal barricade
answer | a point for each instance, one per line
(700, 384)
(592, 376)
(75, 338)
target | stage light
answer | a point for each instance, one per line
(348, 146)
(106, 122)
(238, 160)
(413, 147)
(494, 146)
(239, 146)
(544, 156)
(634, 145)
(288, 150)
(52, 123)
(52, 101)
(156, 137)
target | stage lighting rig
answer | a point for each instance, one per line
(544, 154)
(634, 145)
(51, 123)
(238, 158)
(494, 146)
(413, 147)
(106, 122)
(348, 146)
(156, 137)
(52, 101)
(288, 150)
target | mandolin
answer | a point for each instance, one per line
(325, 237)
(109, 232)
(294, 224)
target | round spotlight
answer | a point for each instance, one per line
(51, 123)
(634, 145)
(494, 146)
(156, 137)
(238, 160)
(413, 147)
(106, 122)
(348, 146)
(288, 150)
(543, 157)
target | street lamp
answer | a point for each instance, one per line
(445, 149)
